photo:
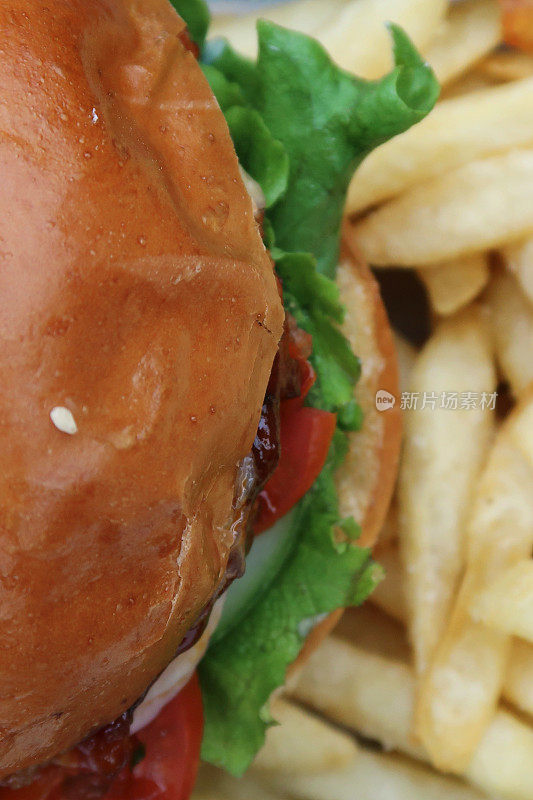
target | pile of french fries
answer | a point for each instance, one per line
(426, 693)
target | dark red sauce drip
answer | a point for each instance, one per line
(87, 771)
(285, 383)
(188, 43)
(265, 451)
(92, 765)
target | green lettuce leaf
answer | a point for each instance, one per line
(313, 300)
(324, 121)
(237, 69)
(301, 280)
(227, 92)
(328, 122)
(196, 15)
(262, 156)
(241, 670)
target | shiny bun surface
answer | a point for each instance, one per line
(139, 318)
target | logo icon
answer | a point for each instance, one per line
(384, 400)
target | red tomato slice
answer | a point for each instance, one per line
(172, 741)
(41, 789)
(172, 744)
(305, 437)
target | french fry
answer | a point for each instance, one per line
(453, 285)
(483, 204)
(375, 696)
(443, 452)
(366, 692)
(322, 748)
(307, 16)
(503, 762)
(458, 695)
(506, 65)
(353, 31)
(216, 784)
(519, 259)
(458, 131)
(518, 683)
(470, 30)
(507, 604)
(511, 320)
(376, 776)
(358, 40)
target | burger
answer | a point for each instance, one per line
(193, 464)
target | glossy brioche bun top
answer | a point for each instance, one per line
(136, 293)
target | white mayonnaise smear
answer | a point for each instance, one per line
(176, 675)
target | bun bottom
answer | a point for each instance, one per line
(366, 479)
